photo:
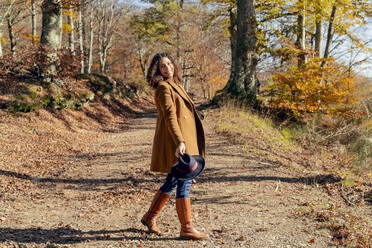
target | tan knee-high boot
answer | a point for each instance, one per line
(149, 219)
(183, 206)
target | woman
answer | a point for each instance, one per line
(178, 131)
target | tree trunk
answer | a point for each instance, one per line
(233, 39)
(5, 13)
(142, 64)
(81, 41)
(204, 89)
(246, 57)
(301, 35)
(186, 80)
(13, 42)
(1, 43)
(318, 31)
(318, 38)
(178, 52)
(91, 36)
(33, 20)
(71, 37)
(51, 35)
(329, 34)
(100, 55)
(104, 59)
(105, 33)
(100, 37)
(209, 91)
(2, 17)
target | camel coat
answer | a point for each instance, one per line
(178, 121)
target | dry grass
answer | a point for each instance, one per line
(260, 136)
(291, 147)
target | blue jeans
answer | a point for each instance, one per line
(183, 186)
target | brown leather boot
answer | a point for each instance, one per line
(183, 207)
(157, 204)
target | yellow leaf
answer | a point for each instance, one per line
(67, 28)
(69, 13)
(3, 40)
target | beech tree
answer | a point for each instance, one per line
(243, 81)
(5, 7)
(51, 34)
(108, 14)
(11, 19)
(34, 4)
(246, 57)
(80, 31)
(71, 16)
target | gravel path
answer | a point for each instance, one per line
(99, 200)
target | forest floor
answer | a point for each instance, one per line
(69, 180)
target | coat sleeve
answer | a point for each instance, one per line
(168, 108)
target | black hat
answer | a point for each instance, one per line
(188, 166)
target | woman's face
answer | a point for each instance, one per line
(166, 67)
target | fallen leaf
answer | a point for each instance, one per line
(222, 230)
(241, 238)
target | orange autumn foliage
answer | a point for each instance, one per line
(314, 89)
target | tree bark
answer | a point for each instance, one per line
(142, 62)
(33, 20)
(178, 52)
(13, 42)
(233, 40)
(91, 36)
(106, 25)
(51, 35)
(2, 16)
(186, 80)
(301, 34)
(318, 38)
(71, 37)
(81, 40)
(246, 59)
(318, 31)
(329, 34)
(1, 44)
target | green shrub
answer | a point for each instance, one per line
(22, 107)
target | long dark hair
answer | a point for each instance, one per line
(154, 76)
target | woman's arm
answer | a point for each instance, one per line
(164, 98)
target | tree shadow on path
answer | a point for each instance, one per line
(68, 235)
(217, 175)
(75, 181)
(208, 176)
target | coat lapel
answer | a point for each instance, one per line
(181, 92)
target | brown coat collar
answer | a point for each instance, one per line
(180, 90)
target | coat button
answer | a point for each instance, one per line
(185, 116)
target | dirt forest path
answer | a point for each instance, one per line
(239, 201)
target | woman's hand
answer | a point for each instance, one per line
(181, 149)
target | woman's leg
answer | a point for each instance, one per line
(183, 206)
(169, 185)
(183, 188)
(158, 202)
